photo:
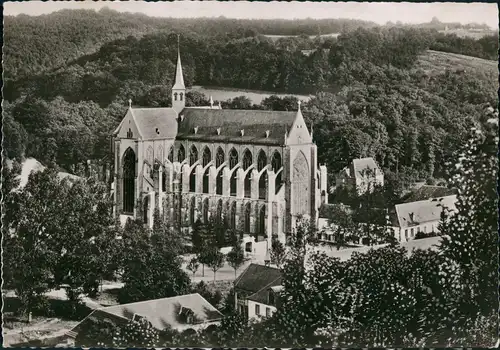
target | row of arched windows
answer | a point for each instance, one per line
(260, 226)
(233, 158)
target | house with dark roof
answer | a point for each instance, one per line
(363, 173)
(190, 311)
(256, 291)
(256, 170)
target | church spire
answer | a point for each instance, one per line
(179, 89)
(179, 78)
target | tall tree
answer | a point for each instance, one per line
(236, 257)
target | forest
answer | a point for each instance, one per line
(372, 97)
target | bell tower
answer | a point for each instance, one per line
(179, 89)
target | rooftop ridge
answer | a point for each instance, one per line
(150, 300)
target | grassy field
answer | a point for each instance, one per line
(438, 62)
(277, 37)
(467, 33)
(223, 94)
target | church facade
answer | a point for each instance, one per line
(255, 169)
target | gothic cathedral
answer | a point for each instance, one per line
(256, 170)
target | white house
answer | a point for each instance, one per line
(421, 216)
(257, 290)
(363, 173)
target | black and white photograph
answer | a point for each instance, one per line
(228, 174)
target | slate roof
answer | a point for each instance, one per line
(179, 77)
(160, 312)
(256, 277)
(148, 119)
(414, 213)
(255, 123)
(428, 192)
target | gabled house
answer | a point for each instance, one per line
(363, 173)
(182, 312)
(257, 291)
(421, 216)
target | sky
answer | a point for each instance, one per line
(377, 12)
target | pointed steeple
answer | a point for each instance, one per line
(179, 78)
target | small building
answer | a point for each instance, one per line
(364, 173)
(421, 216)
(182, 312)
(256, 291)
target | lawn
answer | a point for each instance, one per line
(223, 94)
(436, 62)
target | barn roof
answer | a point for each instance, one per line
(160, 312)
(415, 213)
(255, 124)
(257, 277)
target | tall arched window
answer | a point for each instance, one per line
(192, 210)
(192, 180)
(149, 155)
(146, 210)
(261, 160)
(300, 188)
(205, 210)
(248, 214)
(262, 220)
(206, 178)
(232, 184)
(219, 158)
(233, 216)
(193, 155)
(171, 155)
(248, 185)
(129, 181)
(276, 165)
(247, 159)
(175, 96)
(219, 212)
(181, 95)
(159, 156)
(181, 154)
(233, 158)
(263, 186)
(218, 182)
(207, 156)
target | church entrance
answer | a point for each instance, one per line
(128, 181)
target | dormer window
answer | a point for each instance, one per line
(195, 129)
(218, 131)
(267, 133)
(186, 315)
(242, 132)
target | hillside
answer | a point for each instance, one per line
(436, 62)
(34, 44)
